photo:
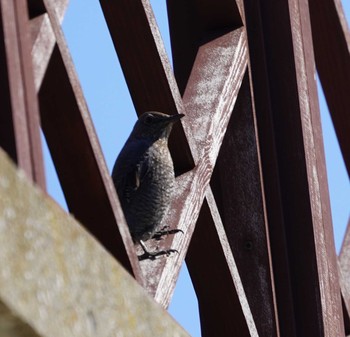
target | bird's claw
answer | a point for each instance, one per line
(158, 235)
(153, 255)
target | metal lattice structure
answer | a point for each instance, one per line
(252, 195)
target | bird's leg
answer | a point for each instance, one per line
(152, 255)
(165, 231)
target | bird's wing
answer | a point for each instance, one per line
(130, 169)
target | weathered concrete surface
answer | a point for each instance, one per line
(58, 279)
(12, 325)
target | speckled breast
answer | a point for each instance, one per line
(154, 195)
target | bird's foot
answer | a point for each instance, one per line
(158, 235)
(153, 255)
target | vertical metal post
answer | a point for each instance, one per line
(20, 124)
(283, 73)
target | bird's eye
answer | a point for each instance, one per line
(149, 119)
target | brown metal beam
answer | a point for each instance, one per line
(223, 305)
(331, 39)
(43, 39)
(305, 269)
(343, 273)
(346, 315)
(7, 120)
(200, 52)
(237, 188)
(78, 158)
(344, 266)
(20, 124)
(152, 86)
(207, 118)
(192, 24)
(206, 122)
(146, 67)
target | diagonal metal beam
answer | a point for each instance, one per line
(152, 86)
(43, 40)
(344, 266)
(238, 191)
(343, 272)
(193, 23)
(223, 305)
(77, 155)
(207, 124)
(331, 40)
(146, 67)
(211, 92)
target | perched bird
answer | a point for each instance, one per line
(143, 176)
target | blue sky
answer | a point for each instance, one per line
(113, 115)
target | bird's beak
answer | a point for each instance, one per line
(175, 118)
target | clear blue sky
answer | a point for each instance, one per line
(114, 116)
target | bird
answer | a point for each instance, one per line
(144, 178)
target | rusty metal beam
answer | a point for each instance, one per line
(37, 8)
(7, 120)
(43, 38)
(331, 39)
(146, 67)
(223, 305)
(193, 30)
(78, 158)
(307, 287)
(205, 142)
(152, 86)
(343, 273)
(237, 188)
(192, 24)
(210, 62)
(269, 161)
(19, 133)
(206, 125)
(344, 266)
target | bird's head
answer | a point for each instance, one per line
(155, 125)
